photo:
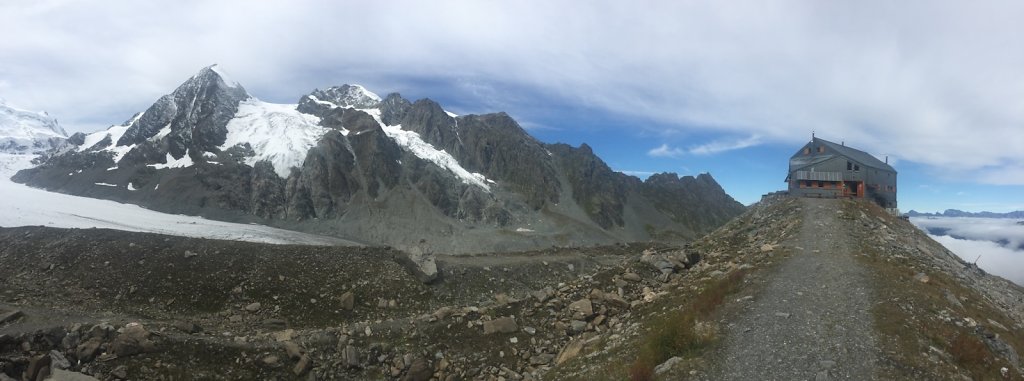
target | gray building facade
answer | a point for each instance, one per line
(825, 169)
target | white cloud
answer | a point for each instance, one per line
(1010, 174)
(665, 151)
(930, 82)
(995, 243)
(725, 145)
(1001, 230)
(991, 257)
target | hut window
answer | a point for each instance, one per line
(856, 168)
(807, 151)
(849, 166)
(821, 149)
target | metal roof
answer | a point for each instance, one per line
(799, 160)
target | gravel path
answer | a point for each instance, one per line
(810, 319)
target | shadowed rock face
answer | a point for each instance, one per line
(361, 183)
(600, 191)
(436, 127)
(393, 109)
(695, 202)
(497, 147)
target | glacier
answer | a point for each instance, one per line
(27, 206)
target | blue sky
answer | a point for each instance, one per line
(730, 88)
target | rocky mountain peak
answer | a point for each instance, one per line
(393, 109)
(663, 178)
(354, 96)
(215, 72)
(196, 114)
(673, 179)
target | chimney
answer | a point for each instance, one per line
(843, 143)
(887, 159)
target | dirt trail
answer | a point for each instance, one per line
(811, 319)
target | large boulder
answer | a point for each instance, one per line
(134, 339)
(500, 325)
(421, 265)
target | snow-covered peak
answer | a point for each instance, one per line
(354, 96)
(224, 76)
(23, 131)
(211, 74)
(10, 115)
(362, 91)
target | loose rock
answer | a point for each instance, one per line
(133, 340)
(350, 357)
(581, 309)
(302, 366)
(667, 365)
(500, 325)
(348, 301)
(10, 316)
(418, 371)
(64, 375)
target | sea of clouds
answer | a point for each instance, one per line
(997, 244)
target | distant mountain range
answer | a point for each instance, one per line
(388, 171)
(28, 132)
(960, 213)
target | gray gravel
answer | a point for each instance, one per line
(810, 318)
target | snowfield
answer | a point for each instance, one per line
(27, 206)
(412, 142)
(276, 132)
(114, 133)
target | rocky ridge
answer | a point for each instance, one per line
(346, 162)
